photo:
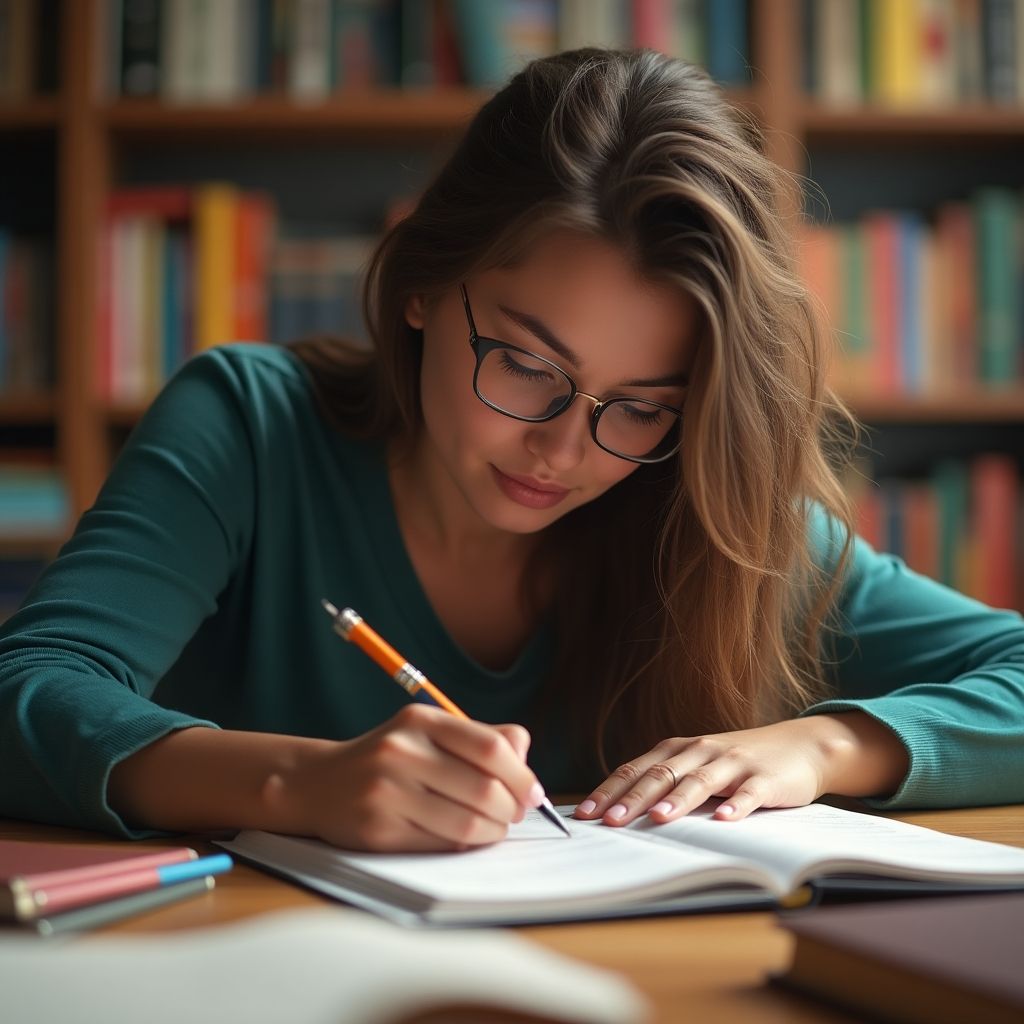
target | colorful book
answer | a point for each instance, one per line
(216, 214)
(996, 224)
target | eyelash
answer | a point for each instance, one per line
(510, 366)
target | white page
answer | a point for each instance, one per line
(304, 967)
(790, 840)
(535, 864)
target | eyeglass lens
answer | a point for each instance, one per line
(527, 386)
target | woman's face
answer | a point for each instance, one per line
(576, 302)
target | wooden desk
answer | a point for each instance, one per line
(709, 968)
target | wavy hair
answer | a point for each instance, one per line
(700, 568)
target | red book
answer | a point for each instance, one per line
(652, 24)
(957, 246)
(995, 492)
(921, 529)
(168, 202)
(254, 228)
(36, 876)
(882, 240)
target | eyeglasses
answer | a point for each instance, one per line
(529, 387)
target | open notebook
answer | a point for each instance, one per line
(695, 863)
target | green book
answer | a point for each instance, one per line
(997, 225)
(952, 489)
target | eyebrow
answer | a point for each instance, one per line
(541, 331)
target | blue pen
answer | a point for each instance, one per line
(215, 864)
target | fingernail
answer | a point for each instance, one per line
(663, 808)
(727, 809)
(536, 797)
(618, 811)
(587, 807)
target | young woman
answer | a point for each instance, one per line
(581, 482)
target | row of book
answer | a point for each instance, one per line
(26, 313)
(963, 525)
(182, 269)
(923, 307)
(28, 51)
(910, 53)
(33, 496)
(55, 888)
(230, 49)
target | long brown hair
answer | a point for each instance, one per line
(688, 598)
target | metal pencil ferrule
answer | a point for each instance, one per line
(409, 678)
(346, 621)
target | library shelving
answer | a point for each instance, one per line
(99, 141)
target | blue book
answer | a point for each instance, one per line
(727, 42)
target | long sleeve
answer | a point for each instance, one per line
(943, 671)
(145, 566)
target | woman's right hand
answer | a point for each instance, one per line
(424, 780)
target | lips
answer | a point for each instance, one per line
(527, 491)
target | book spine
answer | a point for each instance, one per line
(140, 48)
(995, 494)
(727, 41)
(896, 56)
(216, 210)
(999, 36)
(996, 226)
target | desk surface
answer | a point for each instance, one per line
(709, 967)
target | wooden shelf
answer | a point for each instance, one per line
(27, 409)
(393, 114)
(976, 123)
(966, 406)
(38, 113)
(380, 113)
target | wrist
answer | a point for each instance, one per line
(861, 756)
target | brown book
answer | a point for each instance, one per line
(935, 961)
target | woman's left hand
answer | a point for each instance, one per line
(787, 764)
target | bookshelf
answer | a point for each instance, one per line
(97, 142)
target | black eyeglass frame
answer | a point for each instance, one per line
(482, 346)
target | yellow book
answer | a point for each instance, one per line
(896, 51)
(215, 218)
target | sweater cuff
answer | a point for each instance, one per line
(121, 742)
(929, 779)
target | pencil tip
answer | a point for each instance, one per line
(329, 608)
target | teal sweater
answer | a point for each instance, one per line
(190, 595)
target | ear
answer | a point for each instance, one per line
(414, 312)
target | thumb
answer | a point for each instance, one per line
(518, 737)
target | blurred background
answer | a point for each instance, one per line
(177, 173)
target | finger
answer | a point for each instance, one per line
(647, 774)
(454, 823)
(518, 737)
(748, 797)
(667, 793)
(697, 786)
(482, 746)
(408, 754)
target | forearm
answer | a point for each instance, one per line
(862, 757)
(199, 780)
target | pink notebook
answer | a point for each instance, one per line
(37, 877)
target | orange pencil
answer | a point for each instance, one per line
(350, 626)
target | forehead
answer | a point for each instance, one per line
(589, 294)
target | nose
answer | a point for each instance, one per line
(561, 442)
